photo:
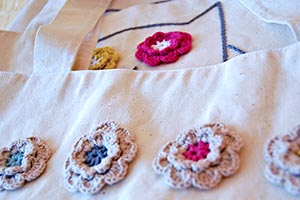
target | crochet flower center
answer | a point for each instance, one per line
(15, 159)
(94, 157)
(197, 151)
(160, 45)
(95, 60)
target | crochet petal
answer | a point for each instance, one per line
(229, 163)
(207, 179)
(169, 58)
(233, 141)
(292, 184)
(159, 36)
(116, 173)
(140, 54)
(161, 165)
(274, 174)
(184, 48)
(178, 178)
(128, 148)
(12, 182)
(38, 166)
(175, 44)
(91, 186)
(165, 149)
(189, 137)
(72, 181)
(151, 60)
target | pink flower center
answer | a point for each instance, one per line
(197, 151)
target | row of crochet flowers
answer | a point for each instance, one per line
(200, 157)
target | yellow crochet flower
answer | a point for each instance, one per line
(104, 58)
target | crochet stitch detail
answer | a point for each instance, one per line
(22, 161)
(160, 45)
(282, 155)
(15, 159)
(95, 155)
(104, 58)
(206, 170)
(164, 47)
(117, 149)
(197, 151)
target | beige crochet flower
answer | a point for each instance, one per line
(199, 157)
(99, 158)
(22, 161)
(282, 154)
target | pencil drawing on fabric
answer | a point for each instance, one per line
(223, 37)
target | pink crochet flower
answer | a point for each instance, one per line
(164, 47)
(200, 157)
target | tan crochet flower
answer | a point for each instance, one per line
(104, 58)
(199, 157)
(282, 154)
(22, 161)
(99, 158)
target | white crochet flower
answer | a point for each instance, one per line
(99, 158)
(199, 157)
(282, 154)
(22, 161)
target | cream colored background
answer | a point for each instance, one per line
(9, 9)
(257, 95)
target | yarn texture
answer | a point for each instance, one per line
(282, 154)
(199, 157)
(164, 47)
(99, 158)
(22, 161)
(104, 58)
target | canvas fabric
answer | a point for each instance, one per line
(46, 91)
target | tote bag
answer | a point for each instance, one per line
(256, 95)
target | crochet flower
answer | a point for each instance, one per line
(199, 157)
(282, 154)
(99, 158)
(104, 58)
(164, 47)
(22, 161)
